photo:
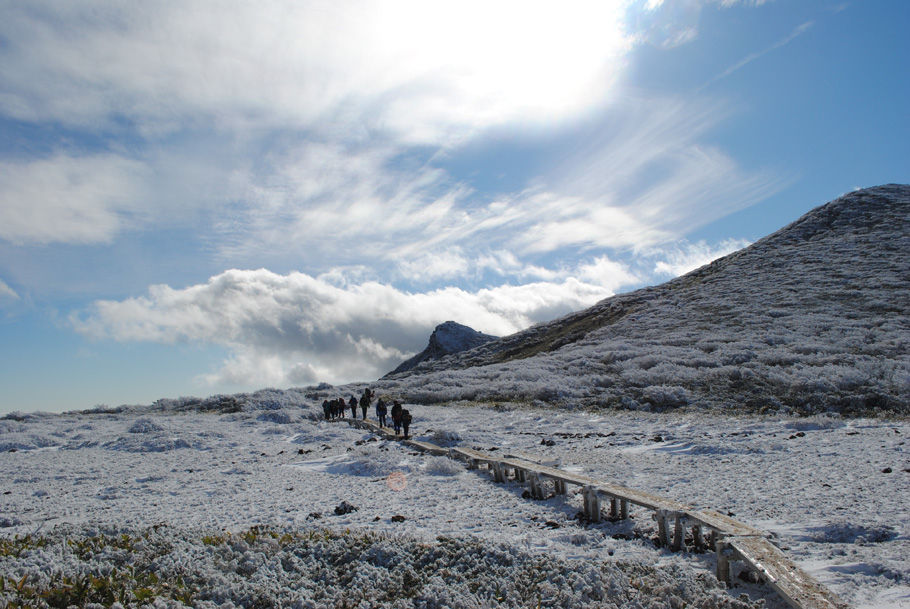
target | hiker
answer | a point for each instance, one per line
(365, 400)
(405, 422)
(380, 412)
(325, 409)
(339, 407)
(396, 416)
(353, 404)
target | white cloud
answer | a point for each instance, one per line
(644, 179)
(308, 116)
(6, 292)
(283, 329)
(797, 31)
(607, 273)
(68, 199)
(427, 72)
(687, 257)
(442, 265)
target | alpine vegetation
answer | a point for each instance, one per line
(814, 318)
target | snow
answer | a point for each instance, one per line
(819, 485)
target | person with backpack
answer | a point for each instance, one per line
(325, 409)
(380, 412)
(405, 422)
(396, 416)
(339, 407)
(365, 400)
(353, 404)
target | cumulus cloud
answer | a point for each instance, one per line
(687, 257)
(285, 329)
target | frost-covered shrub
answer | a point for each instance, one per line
(445, 438)
(442, 466)
(144, 425)
(666, 396)
(280, 417)
(370, 461)
(846, 532)
(152, 442)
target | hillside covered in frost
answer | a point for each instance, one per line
(812, 318)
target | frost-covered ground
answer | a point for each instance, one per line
(833, 492)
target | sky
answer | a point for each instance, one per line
(213, 197)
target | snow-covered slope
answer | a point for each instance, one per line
(237, 507)
(448, 338)
(813, 318)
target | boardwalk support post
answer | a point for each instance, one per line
(698, 536)
(724, 552)
(499, 474)
(663, 527)
(678, 532)
(536, 485)
(592, 503)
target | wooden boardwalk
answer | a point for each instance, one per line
(730, 539)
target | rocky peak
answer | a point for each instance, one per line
(448, 338)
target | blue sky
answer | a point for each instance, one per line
(201, 198)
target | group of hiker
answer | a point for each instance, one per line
(336, 409)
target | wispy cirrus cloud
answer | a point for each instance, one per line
(6, 292)
(797, 31)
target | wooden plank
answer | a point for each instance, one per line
(428, 447)
(798, 588)
(723, 523)
(523, 456)
(642, 498)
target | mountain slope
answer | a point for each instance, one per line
(811, 318)
(448, 338)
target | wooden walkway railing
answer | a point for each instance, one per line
(731, 540)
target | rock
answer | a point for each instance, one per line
(398, 518)
(448, 338)
(887, 470)
(751, 577)
(345, 508)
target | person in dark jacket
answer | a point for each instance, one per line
(405, 422)
(353, 405)
(365, 400)
(339, 405)
(381, 412)
(396, 416)
(325, 409)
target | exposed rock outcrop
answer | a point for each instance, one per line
(448, 338)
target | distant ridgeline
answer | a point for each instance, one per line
(813, 318)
